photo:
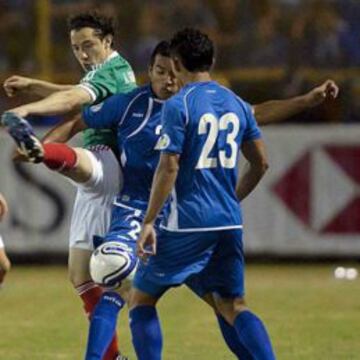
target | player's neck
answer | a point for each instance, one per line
(196, 77)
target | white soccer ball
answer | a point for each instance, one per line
(111, 263)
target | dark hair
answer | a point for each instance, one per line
(162, 48)
(195, 49)
(102, 24)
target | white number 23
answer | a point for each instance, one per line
(215, 125)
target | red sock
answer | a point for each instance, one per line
(59, 156)
(90, 294)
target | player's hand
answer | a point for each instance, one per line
(146, 244)
(16, 84)
(327, 90)
(4, 209)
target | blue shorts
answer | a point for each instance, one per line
(124, 229)
(125, 224)
(208, 262)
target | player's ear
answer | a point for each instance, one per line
(108, 41)
(150, 68)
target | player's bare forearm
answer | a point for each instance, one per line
(59, 103)
(164, 181)
(65, 130)
(254, 152)
(45, 88)
(17, 85)
(279, 110)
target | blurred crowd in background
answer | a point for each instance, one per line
(265, 48)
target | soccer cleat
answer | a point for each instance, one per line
(22, 132)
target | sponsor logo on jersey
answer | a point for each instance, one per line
(137, 115)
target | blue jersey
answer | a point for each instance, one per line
(136, 117)
(206, 123)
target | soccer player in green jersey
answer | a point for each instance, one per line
(107, 73)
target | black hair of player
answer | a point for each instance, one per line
(103, 25)
(194, 48)
(162, 48)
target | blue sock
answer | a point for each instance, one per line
(253, 336)
(146, 333)
(103, 324)
(232, 339)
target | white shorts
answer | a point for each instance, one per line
(92, 208)
(1, 243)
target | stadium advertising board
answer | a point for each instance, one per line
(307, 204)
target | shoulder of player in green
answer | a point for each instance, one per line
(114, 76)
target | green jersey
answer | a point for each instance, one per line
(112, 77)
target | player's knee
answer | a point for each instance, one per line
(230, 308)
(139, 298)
(78, 278)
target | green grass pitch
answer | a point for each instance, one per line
(309, 314)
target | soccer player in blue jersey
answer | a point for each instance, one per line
(205, 126)
(136, 118)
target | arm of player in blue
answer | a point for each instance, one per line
(107, 114)
(173, 128)
(252, 131)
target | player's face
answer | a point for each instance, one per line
(163, 82)
(89, 49)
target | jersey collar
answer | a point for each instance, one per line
(153, 95)
(113, 55)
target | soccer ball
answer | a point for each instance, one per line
(111, 263)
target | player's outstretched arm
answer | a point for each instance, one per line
(18, 85)
(254, 153)
(59, 103)
(279, 110)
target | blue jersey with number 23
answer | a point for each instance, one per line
(206, 124)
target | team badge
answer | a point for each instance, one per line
(97, 107)
(163, 142)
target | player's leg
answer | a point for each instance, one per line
(226, 280)
(178, 257)
(114, 262)
(144, 321)
(74, 163)
(89, 292)
(198, 285)
(91, 215)
(4, 262)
